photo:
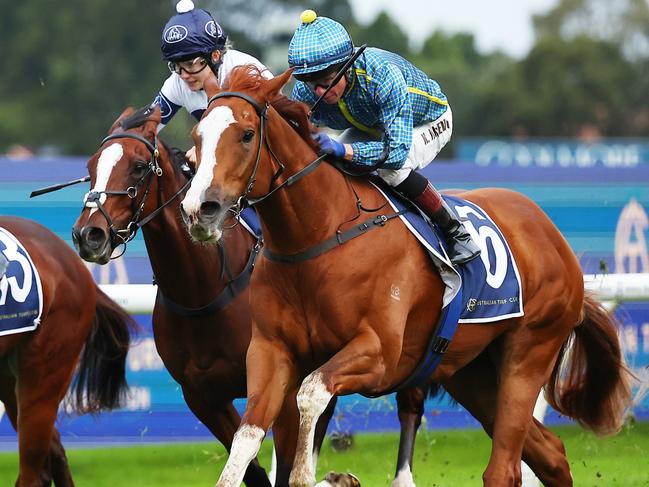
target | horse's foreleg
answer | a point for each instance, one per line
(410, 405)
(321, 428)
(270, 376)
(285, 432)
(356, 367)
(223, 420)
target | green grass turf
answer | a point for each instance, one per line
(452, 458)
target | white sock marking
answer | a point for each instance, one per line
(404, 478)
(312, 399)
(245, 446)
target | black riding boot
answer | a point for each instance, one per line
(461, 246)
(4, 263)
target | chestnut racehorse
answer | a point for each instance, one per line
(201, 319)
(324, 322)
(79, 326)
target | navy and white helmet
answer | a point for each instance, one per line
(191, 32)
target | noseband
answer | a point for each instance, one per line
(96, 199)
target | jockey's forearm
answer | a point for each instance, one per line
(349, 152)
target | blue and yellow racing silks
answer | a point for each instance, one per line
(384, 90)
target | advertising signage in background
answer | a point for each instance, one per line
(554, 153)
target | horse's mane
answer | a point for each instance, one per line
(249, 78)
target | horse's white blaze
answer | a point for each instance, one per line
(404, 478)
(210, 130)
(108, 159)
(245, 446)
(312, 399)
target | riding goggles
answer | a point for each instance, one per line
(190, 66)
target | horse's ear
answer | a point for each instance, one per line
(152, 122)
(211, 86)
(126, 113)
(273, 87)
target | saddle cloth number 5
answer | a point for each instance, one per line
(19, 293)
(480, 236)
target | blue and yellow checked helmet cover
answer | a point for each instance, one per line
(319, 42)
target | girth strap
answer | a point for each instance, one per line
(338, 239)
(437, 346)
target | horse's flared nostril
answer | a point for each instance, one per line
(94, 237)
(210, 209)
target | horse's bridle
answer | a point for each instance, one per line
(262, 112)
(96, 199)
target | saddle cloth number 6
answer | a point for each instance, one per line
(480, 236)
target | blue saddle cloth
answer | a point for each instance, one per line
(485, 289)
(248, 217)
(490, 284)
(21, 295)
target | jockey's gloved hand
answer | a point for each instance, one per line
(329, 146)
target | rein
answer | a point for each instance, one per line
(262, 112)
(96, 199)
(340, 237)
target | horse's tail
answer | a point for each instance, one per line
(100, 382)
(590, 381)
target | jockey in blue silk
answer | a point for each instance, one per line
(195, 48)
(381, 94)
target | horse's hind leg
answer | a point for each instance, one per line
(223, 420)
(410, 406)
(59, 462)
(8, 398)
(40, 388)
(476, 388)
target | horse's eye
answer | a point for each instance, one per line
(139, 168)
(247, 136)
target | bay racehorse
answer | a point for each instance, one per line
(201, 319)
(325, 323)
(79, 326)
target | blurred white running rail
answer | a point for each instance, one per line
(140, 298)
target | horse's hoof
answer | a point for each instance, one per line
(333, 479)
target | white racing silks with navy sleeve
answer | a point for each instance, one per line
(175, 93)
